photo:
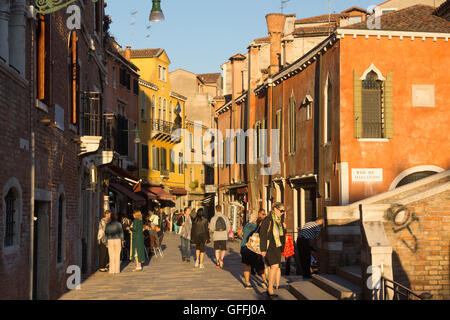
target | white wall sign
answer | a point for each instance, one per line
(367, 175)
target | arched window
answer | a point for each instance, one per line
(414, 177)
(159, 108)
(11, 221)
(11, 215)
(170, 111)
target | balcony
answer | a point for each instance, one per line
(91, 130)
(162, 131)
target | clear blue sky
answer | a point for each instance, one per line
(200, 35)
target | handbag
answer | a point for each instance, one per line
(288, 247)
(254, 241)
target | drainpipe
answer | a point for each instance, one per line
(32, 160)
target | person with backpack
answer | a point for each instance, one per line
(220, 225)
(200, 236)
(272, 236)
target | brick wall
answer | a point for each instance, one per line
(426, 267)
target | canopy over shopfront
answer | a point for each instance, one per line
(161, 194)
(126, 191)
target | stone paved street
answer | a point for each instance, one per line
(168, 278)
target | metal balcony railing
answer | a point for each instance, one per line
(162, 126)
(372, 130)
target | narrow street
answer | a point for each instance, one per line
(168, 278)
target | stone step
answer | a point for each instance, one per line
(337, 286)
(306, 290)
(350, 273)
(284, 294)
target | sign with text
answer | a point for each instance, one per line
(367, 175)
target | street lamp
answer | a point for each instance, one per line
(156, 14)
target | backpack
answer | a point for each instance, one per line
(221, 224)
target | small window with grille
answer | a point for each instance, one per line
(372, 106)
(11, 209)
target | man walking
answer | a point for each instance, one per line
(220, 225)
(310, 231)
(185, 225)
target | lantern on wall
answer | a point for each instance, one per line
(93, 174)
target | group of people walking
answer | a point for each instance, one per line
(193, 227)
(111, 239)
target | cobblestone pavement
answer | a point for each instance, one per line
(168, 278)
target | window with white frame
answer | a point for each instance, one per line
(328, 111)
(162, 73)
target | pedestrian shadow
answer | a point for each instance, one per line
(233, 265)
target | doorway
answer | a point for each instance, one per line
(41, 251)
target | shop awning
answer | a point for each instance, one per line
(137, 199)
(150, 195)
(161, 194)
(179, 191)
(122, 173)
(242, 190)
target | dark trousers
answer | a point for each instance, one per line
(304, 249)
(102, 255)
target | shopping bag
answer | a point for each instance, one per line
(253, 243)
(288, 246)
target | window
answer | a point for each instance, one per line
(180, 163)
(328, 112)
(135, 86)
(74, 79)
(144, 156)
(292, 125)
(191, 146)
(153, 107)
(309, 111)
(12, 35)
(172, 161)
(162, 73)
(163, 159)
(114, 74)
(279, 128)
(159, 108)
(11, 207)
(143, 106)
(61, 220)
(170, 111)
(165, 110)
(373, 105)
(125, 78)
(155, 159)
(122, 128)
(328, 190)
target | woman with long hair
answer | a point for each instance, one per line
(272, 236)
(199, 236)
(137, 240)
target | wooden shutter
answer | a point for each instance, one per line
(388, 94)
(75, 78)
(357, 105)
(41, 59)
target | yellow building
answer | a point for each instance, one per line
(161, 112)
(199, 169)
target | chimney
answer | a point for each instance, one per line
(128, 53)
(275, 26)
(237, 66)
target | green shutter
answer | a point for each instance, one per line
(388, 131)
(357, 105)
